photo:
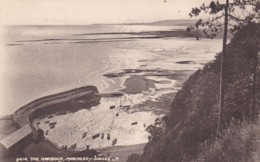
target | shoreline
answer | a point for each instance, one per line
(163, 101)
(151, 89)
(129, 89)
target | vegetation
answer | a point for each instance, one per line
(133, 158)
(235, 144)
(239, 14)
(194, 113)
(205, 105)
(226, 11)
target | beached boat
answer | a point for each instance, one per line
(114, 141)
(84, 135)
(95, 136)
(134, 123)
(112, 107)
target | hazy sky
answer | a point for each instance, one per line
(93, 11)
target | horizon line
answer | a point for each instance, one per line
(83, 24)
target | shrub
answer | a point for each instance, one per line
(235, 144)
(133, 158)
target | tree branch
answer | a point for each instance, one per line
(235, 18)
(244, 3)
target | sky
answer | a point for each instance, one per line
(51, 12)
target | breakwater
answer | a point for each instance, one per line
(68, 101)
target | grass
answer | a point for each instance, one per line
(235, 144)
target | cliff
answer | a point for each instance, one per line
(194, 110)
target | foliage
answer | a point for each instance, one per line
(239, 89)
(235, 144)
(133, 158)
(240, 13)
(194, 112)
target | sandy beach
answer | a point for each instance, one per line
(102, 127)
(148, 71)
(118, 123)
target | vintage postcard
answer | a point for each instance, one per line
(129, 80)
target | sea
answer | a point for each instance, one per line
(39, 60)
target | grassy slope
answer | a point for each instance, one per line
(193, 117)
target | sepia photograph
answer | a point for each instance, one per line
(129, 81)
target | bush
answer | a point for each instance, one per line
(235, 144)
(133, 158)
(194, 112)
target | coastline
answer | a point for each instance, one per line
(147, 85)
(129, 89)
(129, 83)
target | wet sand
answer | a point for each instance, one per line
(158, 71)
(137, 84)
(134, 85)
(144, 84)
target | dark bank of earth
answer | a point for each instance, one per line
(194, 111)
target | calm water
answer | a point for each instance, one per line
(42, 60)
